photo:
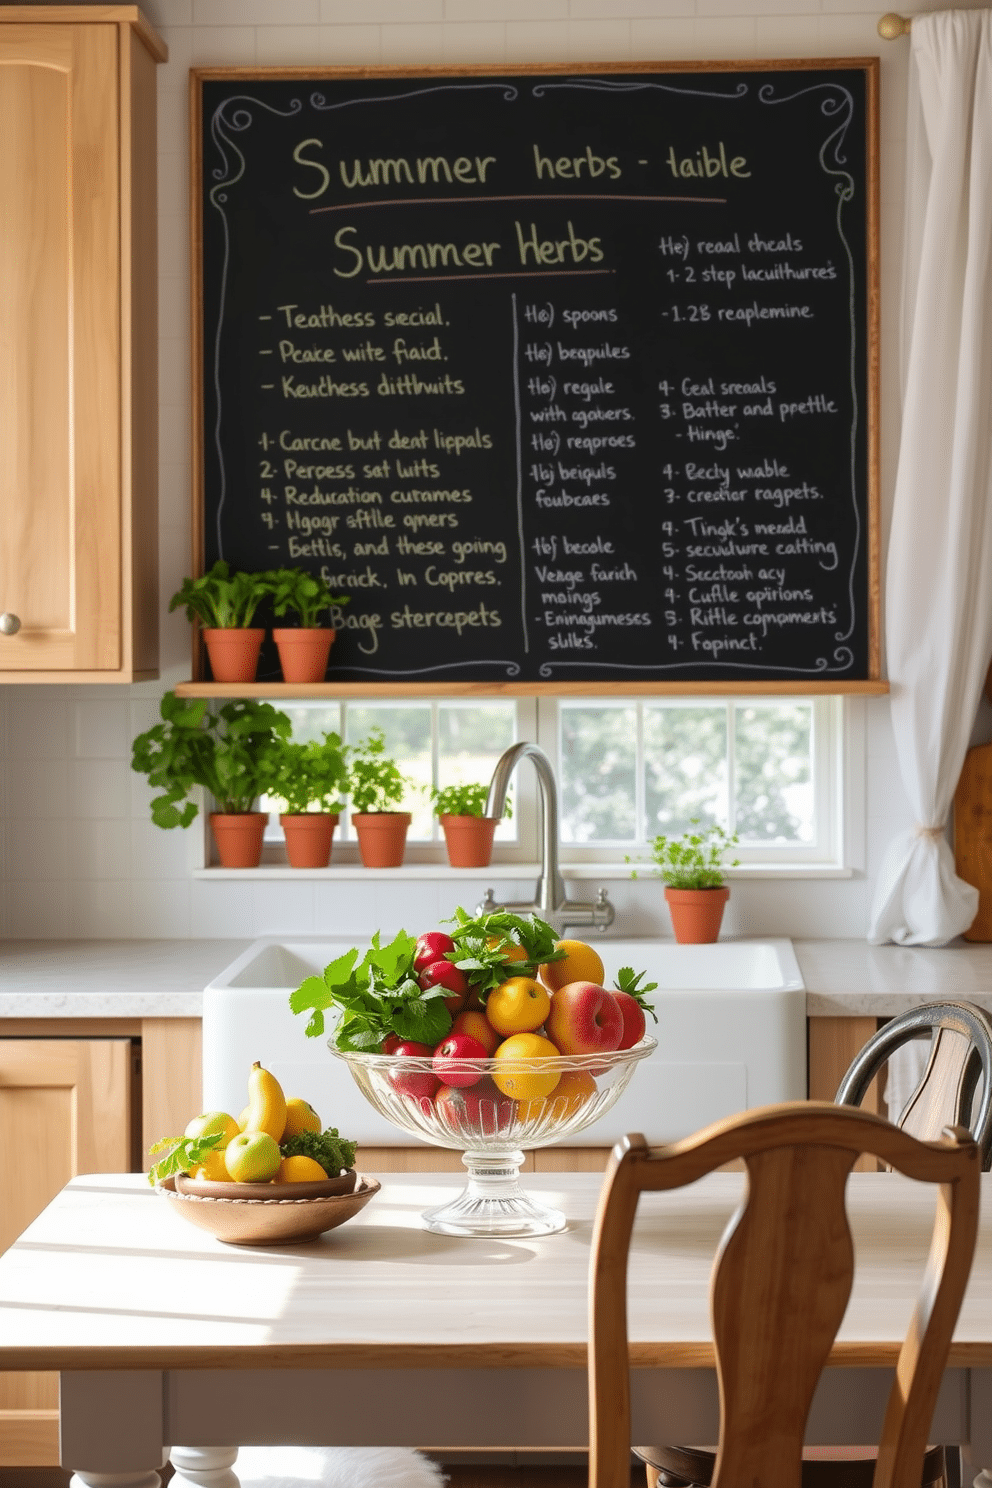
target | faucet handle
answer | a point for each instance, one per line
(603, 913)
(488, 904)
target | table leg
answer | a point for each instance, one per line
(82, 1479)
(207, 1467)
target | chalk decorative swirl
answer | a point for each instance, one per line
(837, 106)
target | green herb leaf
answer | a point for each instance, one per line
(380, 995)
(185, 1155)
(484, 945)
(327, 1147)
(628, 980)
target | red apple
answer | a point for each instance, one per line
(450, 1056)
(481, 1110)
(445, 974)
(416, 1083)
(479, 1027)
(584, 1019)
(634, 1022)
(433, 946)
(390, 1043)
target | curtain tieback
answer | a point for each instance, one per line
(932, 832)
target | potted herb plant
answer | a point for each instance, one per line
(468, 832)
(230, 753)
(305, 647)
(310, 780)
(377, 788)
(225, 605)
(692, 867)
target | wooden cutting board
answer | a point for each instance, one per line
(973, 835)
(973, 830)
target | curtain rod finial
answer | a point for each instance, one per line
(892, 26)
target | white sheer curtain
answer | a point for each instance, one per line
(939, 576)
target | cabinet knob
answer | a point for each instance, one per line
(9, 624)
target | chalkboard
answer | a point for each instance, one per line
(566, 378)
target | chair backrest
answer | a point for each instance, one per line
(780, 1285)
(960, 1052)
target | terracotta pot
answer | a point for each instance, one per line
(696, 913)
(308, 837)
(381, 837)
(238, 836)
(303, 653)
(234, 653)
(469, 840)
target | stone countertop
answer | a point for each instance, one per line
(165, 978)
(845, 978)
(110, 978)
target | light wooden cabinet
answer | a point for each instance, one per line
(78, 345)
(66, 1107)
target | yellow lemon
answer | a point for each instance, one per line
(527, 1080)
(213, 1167)
(511, 951)
(518, 1006)
(572, 1091)
(300, 1170)
(300, 1117)
(580, 964)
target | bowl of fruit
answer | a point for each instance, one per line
(270, 1177)
(493, 1040)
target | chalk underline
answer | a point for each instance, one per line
(522, 274)
(465, 201)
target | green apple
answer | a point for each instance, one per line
(210, 1122)
(252, 1157)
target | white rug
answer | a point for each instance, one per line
(336, 1467)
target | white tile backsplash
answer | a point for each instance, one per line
(78, 851)
(99, 788)
(101, 731)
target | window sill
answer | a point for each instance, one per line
(501, 872)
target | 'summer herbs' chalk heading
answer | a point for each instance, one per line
(530, 245)
(561, 376)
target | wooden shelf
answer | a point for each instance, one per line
(522, 689)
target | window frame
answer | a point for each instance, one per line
(839, 782)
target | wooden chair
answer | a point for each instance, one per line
(780, 1285)
(960, 1052)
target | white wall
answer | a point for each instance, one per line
(78, 854)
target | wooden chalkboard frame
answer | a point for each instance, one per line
(871, 684)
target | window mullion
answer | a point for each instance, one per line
(640, 786)
(731, 767)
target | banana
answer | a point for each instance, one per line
(266, 1103)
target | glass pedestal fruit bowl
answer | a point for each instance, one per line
(531, 1103)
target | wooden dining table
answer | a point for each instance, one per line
(381, 1332)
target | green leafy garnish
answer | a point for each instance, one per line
(484, 945)
(378, 996)
(185, 1155)
(628, 980)
(331, 1151)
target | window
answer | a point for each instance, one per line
(447, 742)
(768, 768)
(765, 768)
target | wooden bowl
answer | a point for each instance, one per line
(272, 1218)
(322, 1188)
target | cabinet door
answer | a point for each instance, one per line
(60, 347)
(65, 1108)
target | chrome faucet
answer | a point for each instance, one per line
(550, 899)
